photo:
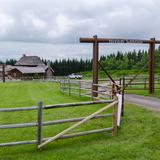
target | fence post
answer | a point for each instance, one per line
(60, 86)
(3, 72)
(64, 85)
(114, 123)
(120, 81)
(79, 88)
(123, 87)
(113, 91)
(92, 92)
(114, 117)
(69, 87)
(39, 122)
(145, 83)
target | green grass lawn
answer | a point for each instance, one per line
(137, 139)
(116, 73)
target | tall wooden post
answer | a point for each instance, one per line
(114, 117)
(3, 72)
(151, 65)
(123, 87)
(95, 66)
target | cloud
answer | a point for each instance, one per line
(64, 21)
(59, 51)
(6, 22)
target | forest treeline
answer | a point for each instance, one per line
(120, 61)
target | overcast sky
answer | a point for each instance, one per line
(51, 28)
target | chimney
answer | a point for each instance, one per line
(24, 55)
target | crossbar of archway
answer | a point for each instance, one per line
(95, 41)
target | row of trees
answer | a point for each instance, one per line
(119, 61)
(129, 60)
(68, 66)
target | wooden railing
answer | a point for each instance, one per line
(34, 78)
(140, 83)
(85, 88)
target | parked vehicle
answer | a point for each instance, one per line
(75, 76)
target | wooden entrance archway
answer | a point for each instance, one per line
(95, 41)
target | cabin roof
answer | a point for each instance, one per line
(29, 61)
(30, 70)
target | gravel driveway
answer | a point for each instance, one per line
(144, 101)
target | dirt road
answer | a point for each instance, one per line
(144, 101)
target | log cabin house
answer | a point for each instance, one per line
(30, 67)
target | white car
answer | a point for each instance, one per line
(75, 76)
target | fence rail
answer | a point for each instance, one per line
(54, 122)
(62, 137)
(56, 106)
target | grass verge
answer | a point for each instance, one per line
(138, 138)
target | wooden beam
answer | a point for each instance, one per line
(157, 41)
(95, 66)
(151, 65)
(115, 40)
(56, 106)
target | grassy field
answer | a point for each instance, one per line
(137, 139)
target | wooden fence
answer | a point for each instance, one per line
(140, 83)
(85, 88)
(105, 89)
(107, 95)
(40, 141)
(8, 78)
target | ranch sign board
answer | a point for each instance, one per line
(125, 41)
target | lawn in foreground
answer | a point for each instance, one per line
(138, 138)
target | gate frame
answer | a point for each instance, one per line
(95, 41)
